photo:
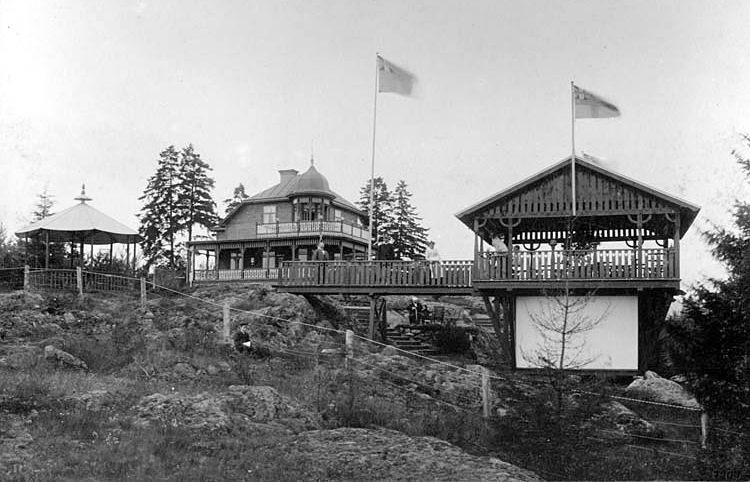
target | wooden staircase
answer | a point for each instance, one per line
(409, 342)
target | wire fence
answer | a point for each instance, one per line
(358, 355)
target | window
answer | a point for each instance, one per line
(269, 214)
(338, 215)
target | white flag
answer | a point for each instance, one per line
(392, 78)
(591, 106)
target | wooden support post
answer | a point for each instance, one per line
(371, 329)
(486, 401)
(349, 340)
(227, 324)
(46, 251)
(79, 281)
(704, 430)
(26, 277)
(143, 293)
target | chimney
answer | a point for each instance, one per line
(287, 174)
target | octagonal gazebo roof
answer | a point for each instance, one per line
(81, 222)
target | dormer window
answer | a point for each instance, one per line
(269, 214)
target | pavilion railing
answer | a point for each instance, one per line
(67, 280)
(599, 264)
(53, 279)
(376, 273)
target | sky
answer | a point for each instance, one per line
(91, 92)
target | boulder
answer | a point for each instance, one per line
(389, 351)
(628, 422)
(69, 318)
(63, 358)
(95, 400)
(184, 370)
(657, 389)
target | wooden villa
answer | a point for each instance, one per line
(282, 223)
(621, 249)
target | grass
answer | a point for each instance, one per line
(76, 443)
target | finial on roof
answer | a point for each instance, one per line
(83, 197)
(312, 154)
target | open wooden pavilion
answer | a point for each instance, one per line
(622, 243)
(82, 224)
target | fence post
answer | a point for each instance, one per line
(349, 348)
(26, 278)
(79, 280)
(485, 392)
(143, 293)
(704, 429)
(225, 331)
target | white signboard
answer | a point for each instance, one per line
(601, 332)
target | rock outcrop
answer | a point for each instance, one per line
(391, 455)
(241, 405)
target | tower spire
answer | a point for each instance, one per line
(82, 197)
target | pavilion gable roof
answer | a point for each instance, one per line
(600, 192)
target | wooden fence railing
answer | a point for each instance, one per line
(67, 279)
(600, 264)
(236, 274)
(376, 273)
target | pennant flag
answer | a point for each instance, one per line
(392, 78)
(590, 106)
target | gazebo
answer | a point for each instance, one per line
(81, 224)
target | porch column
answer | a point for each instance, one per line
(46, 251)
(127, 252)
(80, 252)
(217, 250)
(639, 224)
(677, 244)
(242, 261)
(135, 248)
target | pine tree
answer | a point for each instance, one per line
(716, 329)
(194, 192)
(238, 196)
(381, 218)
(711, 343)
(43, 209)
(43, 206)
(161, 217)
(408, 236)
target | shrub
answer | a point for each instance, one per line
(453, 339)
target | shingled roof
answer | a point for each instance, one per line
(311, 182)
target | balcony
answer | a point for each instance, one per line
(306, 228)
(601, 264)
(622, 268)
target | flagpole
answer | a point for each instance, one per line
(573, 143)
(372, 163)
